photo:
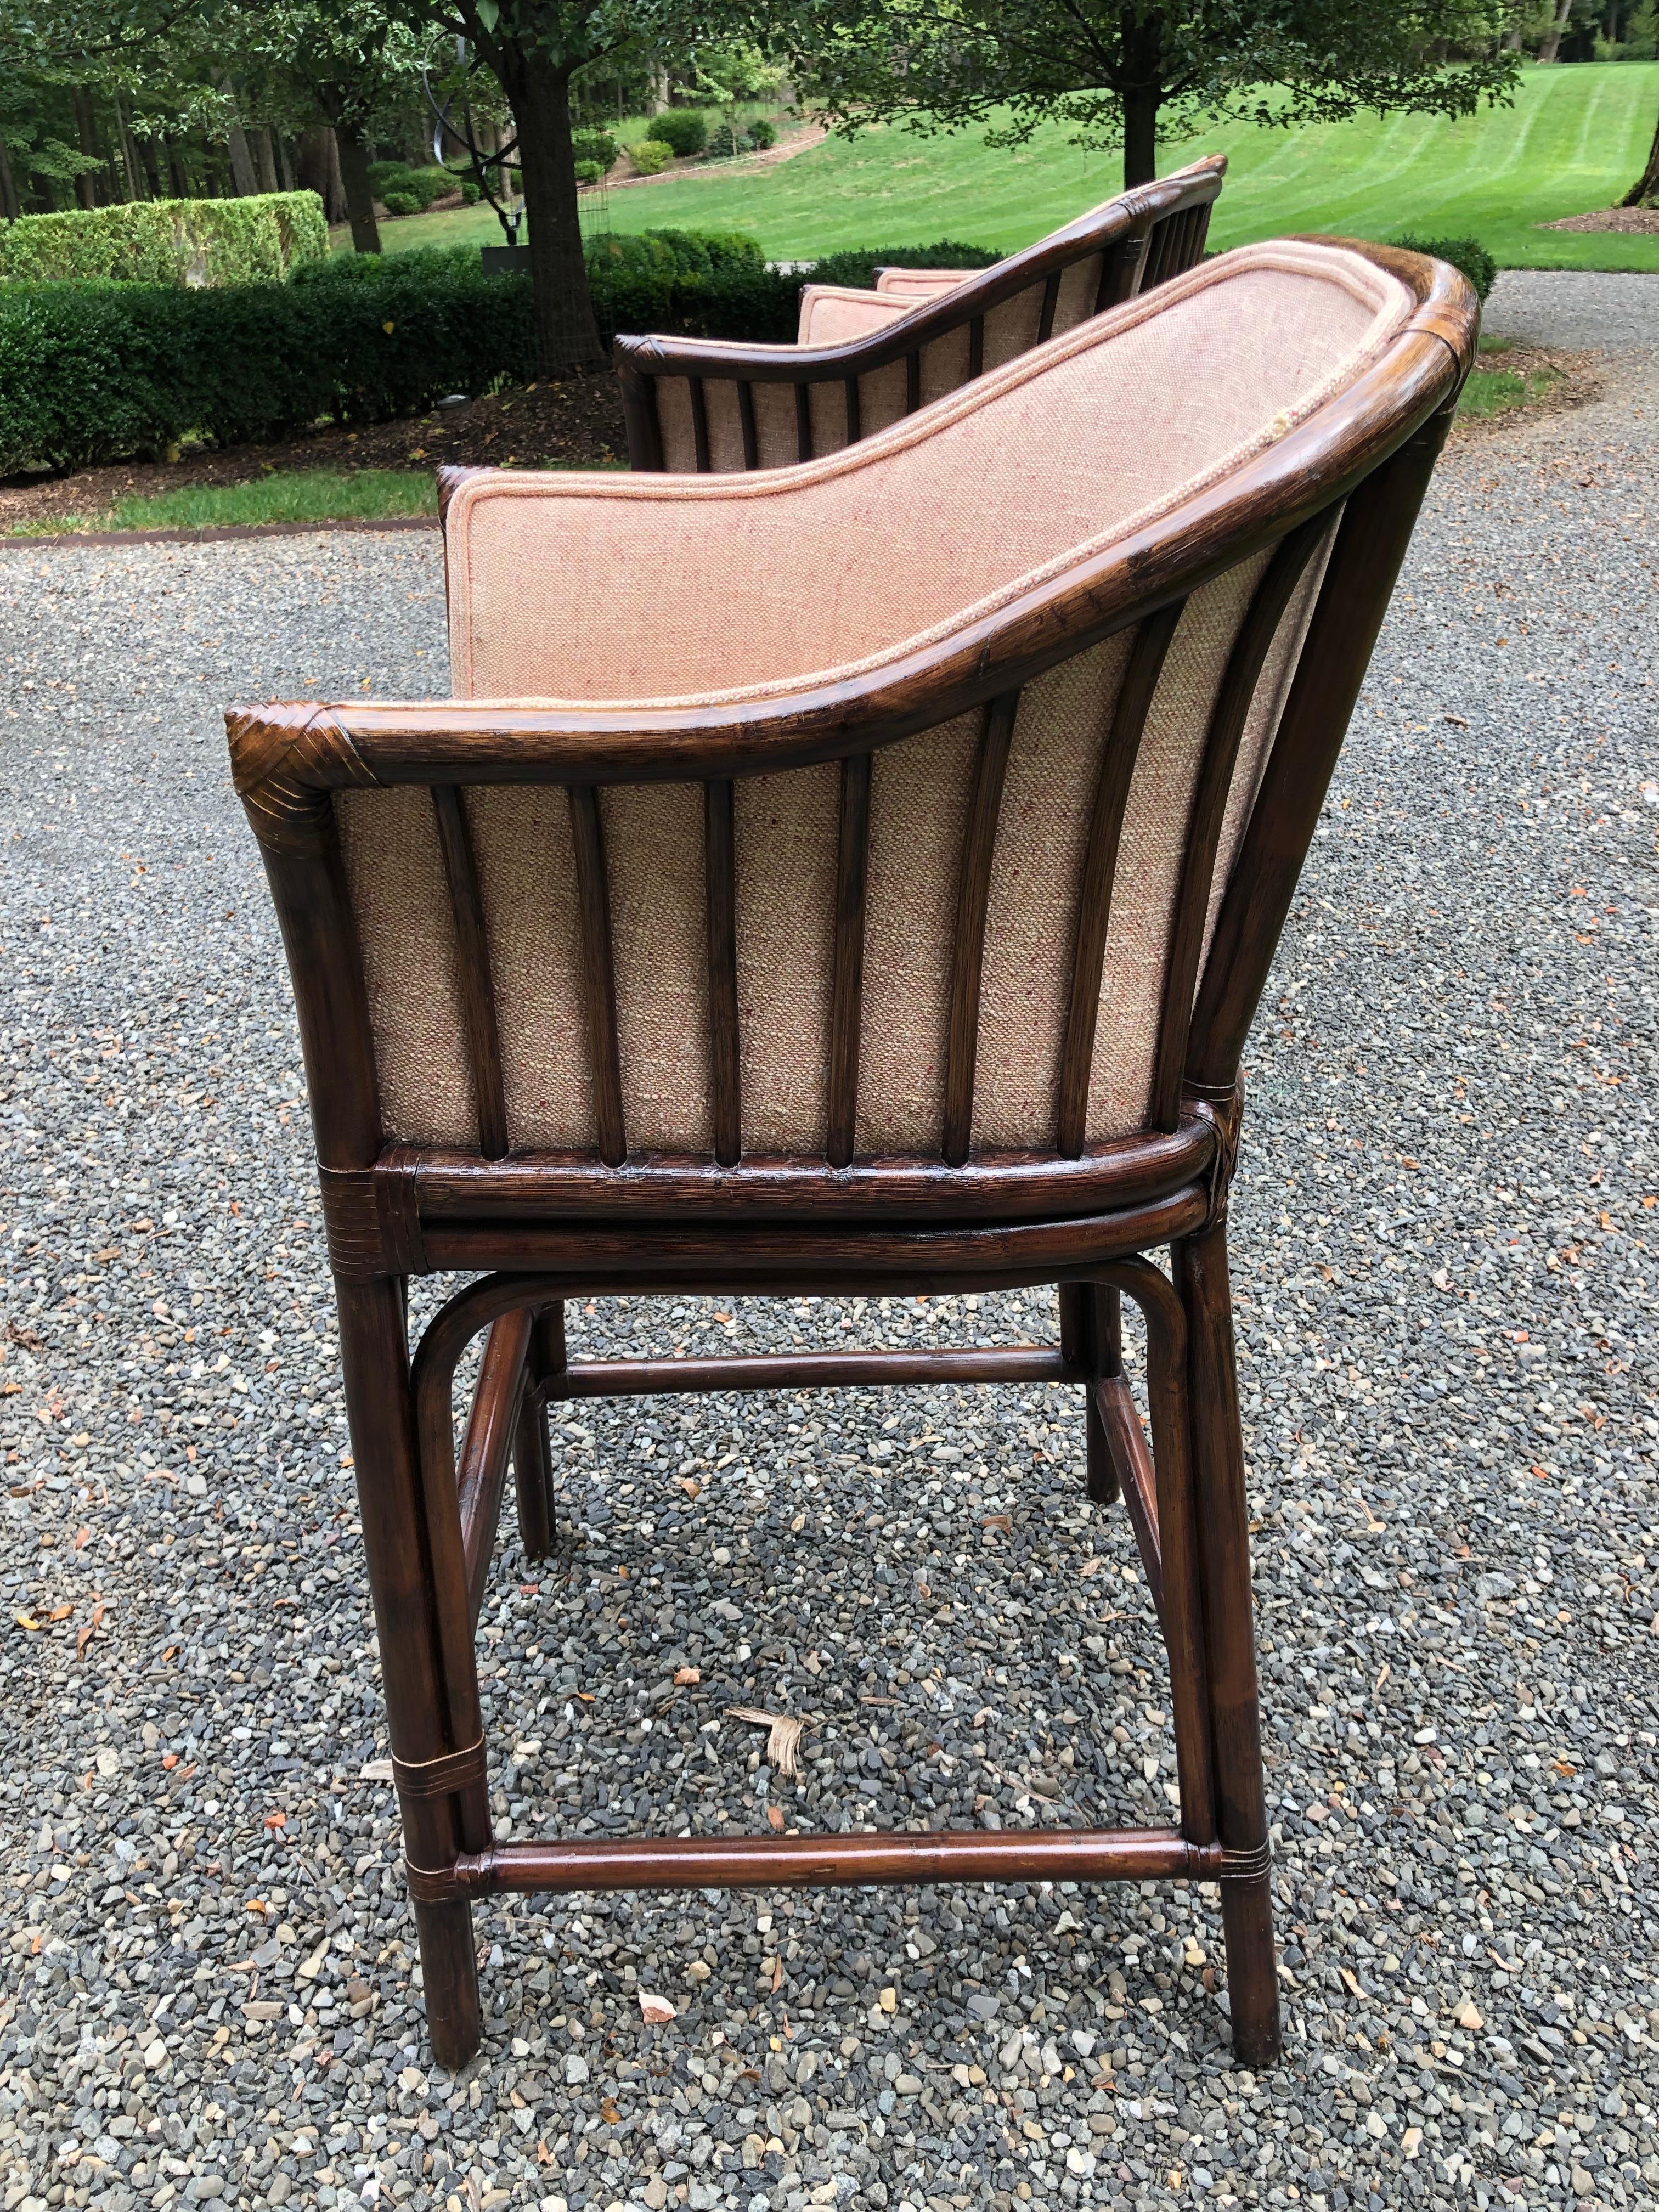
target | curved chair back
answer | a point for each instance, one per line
(935, 804)
(866, 358)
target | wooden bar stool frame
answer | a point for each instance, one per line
(550, 1228)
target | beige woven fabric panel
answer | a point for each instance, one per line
(1010, 328)
(786, 842)
(775, 435)
(527, 880)
(1031, 924)
(1273, 689)
(1152, 848)
(614, 586)
(674, 427)
(654, 858)
(1079, 287)
(918, 803)
(881, 397)
(945, 363)
(389, 840)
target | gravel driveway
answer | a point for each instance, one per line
(1446, 1233)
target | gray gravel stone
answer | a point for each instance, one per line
(1445, 1232)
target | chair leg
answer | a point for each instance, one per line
(374, 1351)
(532, 1459)
(1201, 1267)
(1090, 1332)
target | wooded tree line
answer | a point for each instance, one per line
(135, 98)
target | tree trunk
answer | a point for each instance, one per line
(567, 335)
(1551, 45)
(11, 206)
(265, 162)
(1645, 190)
(1511, 42)
(177, 175)
(1139, 138)
(130, 166)
(81, 100)
(284, 167)
(317, 169)
(359, 192)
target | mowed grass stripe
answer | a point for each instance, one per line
(1575, 138)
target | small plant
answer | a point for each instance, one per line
(396, 203)
(684, 130)
(724, 141)
(762, 133)
(588, 172)
(651, 156)
(470, 193)
(596, 146)
(1465, 253)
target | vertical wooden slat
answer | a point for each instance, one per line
(1232, 705)
(976, 346)
(913, 381)
(720, 874)
(973, 893)
(700, 422)
(1050, 302)
(746, 416)
(852, 868)
(1117, 765)
(1120, 268)
(854, 430)
(804, 422)
(598, 973)
(478, 992)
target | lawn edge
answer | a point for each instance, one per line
(214, 533)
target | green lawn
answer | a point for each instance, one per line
(301, 495)
(1574, 139)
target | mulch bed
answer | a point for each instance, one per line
(1638, 223)
(577, 420)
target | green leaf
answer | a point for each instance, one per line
(488, 13)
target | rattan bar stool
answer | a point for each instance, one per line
(866, 359)
(858, 878)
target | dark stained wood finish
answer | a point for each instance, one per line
(699, 423)
(599, 976)
(725, 1064)
(491, 1429)
(1267, 607)
(842, 1860)
(448, 1186)
(846, 989)
(540, 1229)
(472, 950)
(1103, 231)
(1094, 912)
(973, 893)
(746, 419)
(814, 1370)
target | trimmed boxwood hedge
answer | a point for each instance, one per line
(185, 242)
(97, 373)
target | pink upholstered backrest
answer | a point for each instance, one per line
(635, 588)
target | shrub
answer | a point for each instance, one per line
(683, 129)
(94, 373)
(597, 146)
(651, 156)
(397, 203)
(390, 179)
(185, 242)
(1465, 253)
(470, 193)
(762, 133)
(723, 143)
(587, 173)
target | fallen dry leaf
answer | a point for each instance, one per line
(1093, 1565)
(777, 1976)
(609, 2110)
(774, 1816)
(656, 2009)
(60, 1613)
(25, 1621)
(690, 1486)
(276, 1819)
(684, 1676)
(783, 1738)
(82, 1538)
(1002, 1521)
